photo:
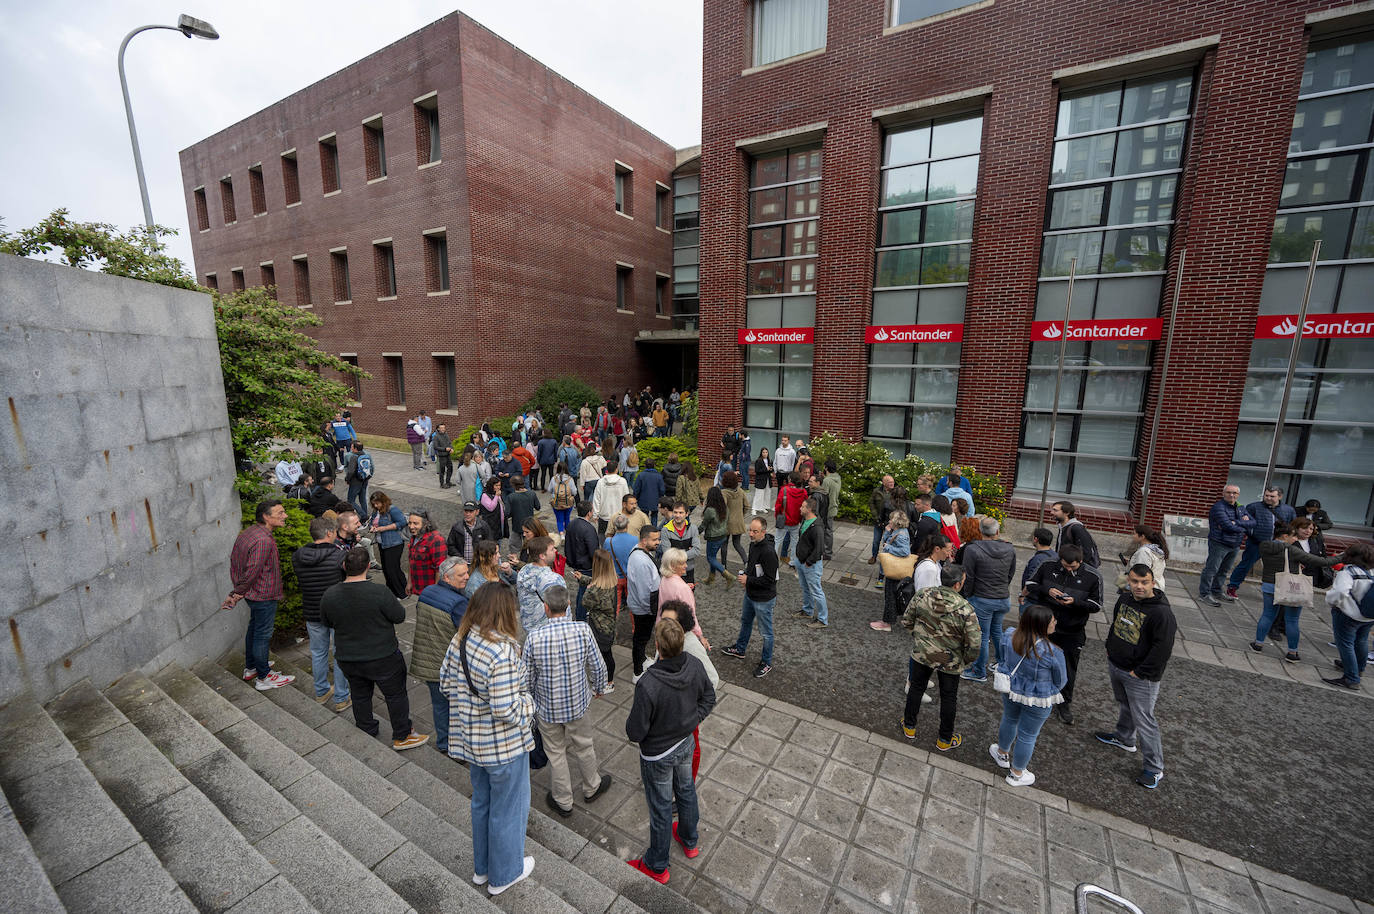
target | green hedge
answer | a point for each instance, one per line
(658, 449)
(295, 534)
(551, 394)
(863, 465)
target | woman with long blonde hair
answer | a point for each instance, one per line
(602, 603)
(491, 724)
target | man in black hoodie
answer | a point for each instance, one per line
(1073, 589)
(1138, 647)
(672, 698)
(319, 566)
(760, 580)
(580, 543)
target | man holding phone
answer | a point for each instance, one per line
(1074, 591)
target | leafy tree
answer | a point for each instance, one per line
(274, 377)
(550, 394)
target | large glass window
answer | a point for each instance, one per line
(784, 222)
(1118, 157)
(1327, 449)
(686, 250)
(786, 28)
(920, 276)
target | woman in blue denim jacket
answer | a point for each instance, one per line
(1037, 671)
(386, 523)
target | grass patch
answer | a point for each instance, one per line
(384, 443)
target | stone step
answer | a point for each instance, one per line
(212, 862)
(400, 876)
(94, 858)
(23, 882)
(309, 860)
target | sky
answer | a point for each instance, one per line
(66, 140)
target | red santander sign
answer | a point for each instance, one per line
(914, 333)
(1149, 328)
(1317, 326)
(776, 335)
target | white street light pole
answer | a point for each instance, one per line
(191, 28)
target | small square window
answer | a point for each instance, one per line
(202, 210)
(236, 278)
(226, 199)
(384, 265)
(290, 178)
(269, 279)
(256, 191)
(329, 164)
(212, 281)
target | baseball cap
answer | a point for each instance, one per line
(469, 506)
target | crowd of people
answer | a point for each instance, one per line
(513, 655)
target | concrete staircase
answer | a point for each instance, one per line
(192, 791)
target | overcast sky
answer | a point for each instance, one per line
(66, 142)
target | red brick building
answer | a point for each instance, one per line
(897, 190)
(465, 221)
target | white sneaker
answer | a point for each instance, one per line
(1025, 780)
(926, 699)
(498, 889)
(1003, 759)
(274, 681)
(250, 673)
(634, 680)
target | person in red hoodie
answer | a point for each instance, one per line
(526, 458)
(787, 511)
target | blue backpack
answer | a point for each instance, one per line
(364, 471)
(1365, 603)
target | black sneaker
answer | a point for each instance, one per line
(1211, 600)
(553, 804)
(1150, 779)
(1292, 657)
(1065, 714)
(1342, 682)
(762, 670)
(1257, 646)
(1111, 739)
(733, 651)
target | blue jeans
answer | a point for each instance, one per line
(813, 596)
(262, 616)
(990, 613)
(500, 812)
(579, 613)
(1019, 729)
(667, 779)
(357, 496)
(321, 636)
(877, 540)
(762, 610)
(1352, 640)
(1248, 559)
(438, 703)
(787, 539)
(561, 515)
(1219, 561)
(1291, 615)
(715, 554)
(744, 477)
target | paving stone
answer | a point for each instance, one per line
(1146, 859)
(1280, 902)
(858, 753)
(1151, 896)
(179, 737)
(1011, 889)
(329, 878)
(815, 852)
(1216, 885)
(789, 890)
(715, 898)
(757, 745)
(842, 778)
(927, 897)
(1084, 837)
(887, 837)
(844, 903)
(762, 826)
(193, 694)
(719, 730)
(830, 812)
(71, 823)
(733, 707)
(1014, 846)
(736, 771)
(275, 763)
(636, 895)
(956, 789)
(240, 795)
(739, 866)
(129, 768)
(1003, 806)
(1068, 868)
(33, 742)
(774, 723)
(949, 821)
(718, 803)
(799, 763)
(873, 878)
(343, 818)
(905, 770)
(782, 792)
(895, 800)
(947, 862)
(817, 739)
(131, 882)
(286, 728)
(278, 897)
(23, 883)
(367, 786)
(82, 713)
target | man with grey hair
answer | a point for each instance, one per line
(1227, 526)
(988, 564)
(438, 613)
(1266, 512)
(560, 656)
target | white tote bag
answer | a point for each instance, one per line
(1292, 588)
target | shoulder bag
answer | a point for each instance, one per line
(1292, 588)
(896, 567)
(1001, 681)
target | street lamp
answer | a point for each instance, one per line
(188, 26)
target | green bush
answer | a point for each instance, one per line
(553, 393)
(501, 425)
(658, 449)
(863, 465)
(295, 534)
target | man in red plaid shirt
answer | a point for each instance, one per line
(427, 550)
(255, 570)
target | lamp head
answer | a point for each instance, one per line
(198, 28)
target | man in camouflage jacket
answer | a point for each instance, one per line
(946, 640)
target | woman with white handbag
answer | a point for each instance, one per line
(1029, 681)
(897, 563)
(1284, 587)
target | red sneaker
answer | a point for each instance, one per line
(691, 852)
(660, 878)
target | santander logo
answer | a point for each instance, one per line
(779, 335)
(1052, 332)
(750, 337)
(1316, 326)
(881, 336)
(1150, 328)
(914, 333)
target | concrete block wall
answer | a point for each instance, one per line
(116, 478)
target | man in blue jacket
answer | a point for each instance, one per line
(1227, 525)
(1265, 513)
(649, 489)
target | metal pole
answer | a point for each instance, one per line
(1163, 377)
(129, 113)
(1292, 365)
(1058, 380)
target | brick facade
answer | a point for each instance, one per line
(1247, 86)
(524, 191)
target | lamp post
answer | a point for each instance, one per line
(188, 26)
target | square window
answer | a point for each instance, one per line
(236, 279)
(212, 281)
(786, 28)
